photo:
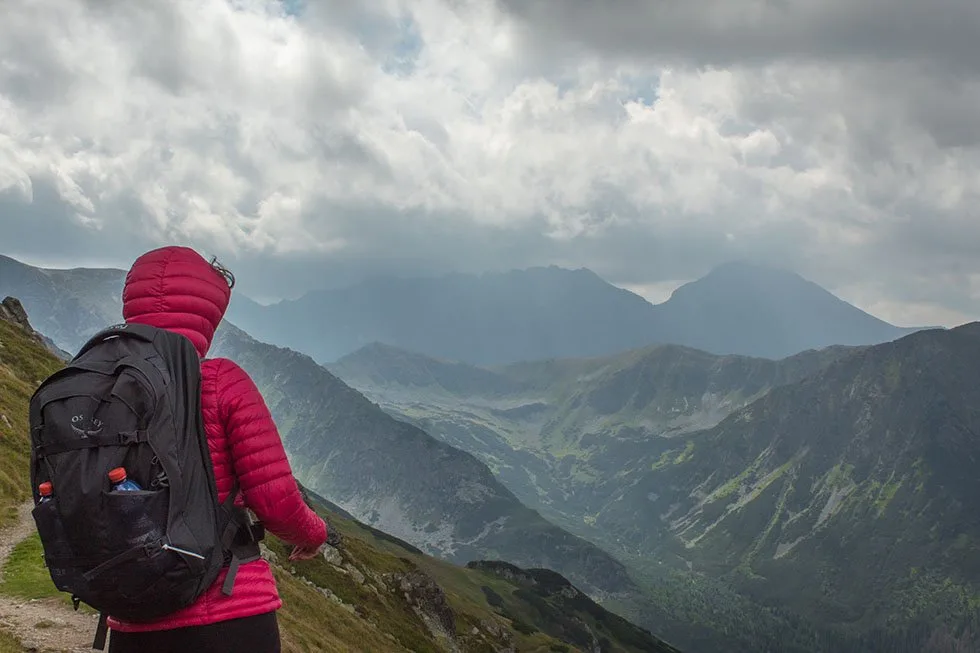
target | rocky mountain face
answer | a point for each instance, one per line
(397, 477)
(368, 591)
(543, 313)
(12, 311)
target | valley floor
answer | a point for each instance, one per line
(42, 625)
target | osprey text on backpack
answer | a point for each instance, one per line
(131, 398)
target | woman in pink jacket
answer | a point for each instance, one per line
(174, 288)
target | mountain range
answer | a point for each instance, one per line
(521, 315)
(707, 496)
(839, 485)
(539, 313)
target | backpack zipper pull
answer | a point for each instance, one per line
(185, 552)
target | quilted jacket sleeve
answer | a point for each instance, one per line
(259, 461)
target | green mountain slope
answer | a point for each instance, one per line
(396, 476)
(828, 500)
(565, 434)
(370, 592)
(850, 497)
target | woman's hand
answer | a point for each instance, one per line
(304, 553)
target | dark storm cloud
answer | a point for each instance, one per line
(727, 32)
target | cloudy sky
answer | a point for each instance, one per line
(648, 140)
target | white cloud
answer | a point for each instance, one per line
(453, 134)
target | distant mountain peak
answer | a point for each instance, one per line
(745, 264)
(752, 273)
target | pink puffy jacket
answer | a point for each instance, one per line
(176, 289)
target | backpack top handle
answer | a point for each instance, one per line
(136, 330)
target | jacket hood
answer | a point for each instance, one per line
(174, 288)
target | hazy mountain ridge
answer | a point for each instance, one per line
(67, 306)
(539, 313)
(500, 318)
(754, 310)
(509, 316)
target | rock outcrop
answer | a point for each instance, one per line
(12, 310)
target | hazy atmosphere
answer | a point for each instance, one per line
(310, 145)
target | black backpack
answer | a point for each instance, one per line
(131, 398)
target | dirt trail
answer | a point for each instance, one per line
(44, 625)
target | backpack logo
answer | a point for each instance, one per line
(86, 427)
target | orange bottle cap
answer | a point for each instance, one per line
(117, 475)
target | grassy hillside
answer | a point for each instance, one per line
(24, 362)
(427, 604)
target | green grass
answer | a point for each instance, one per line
(25, 575)
(24, 363)
(375, 618)
(310, 622)
(886, 494)
(685, 455)
(9, 644)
